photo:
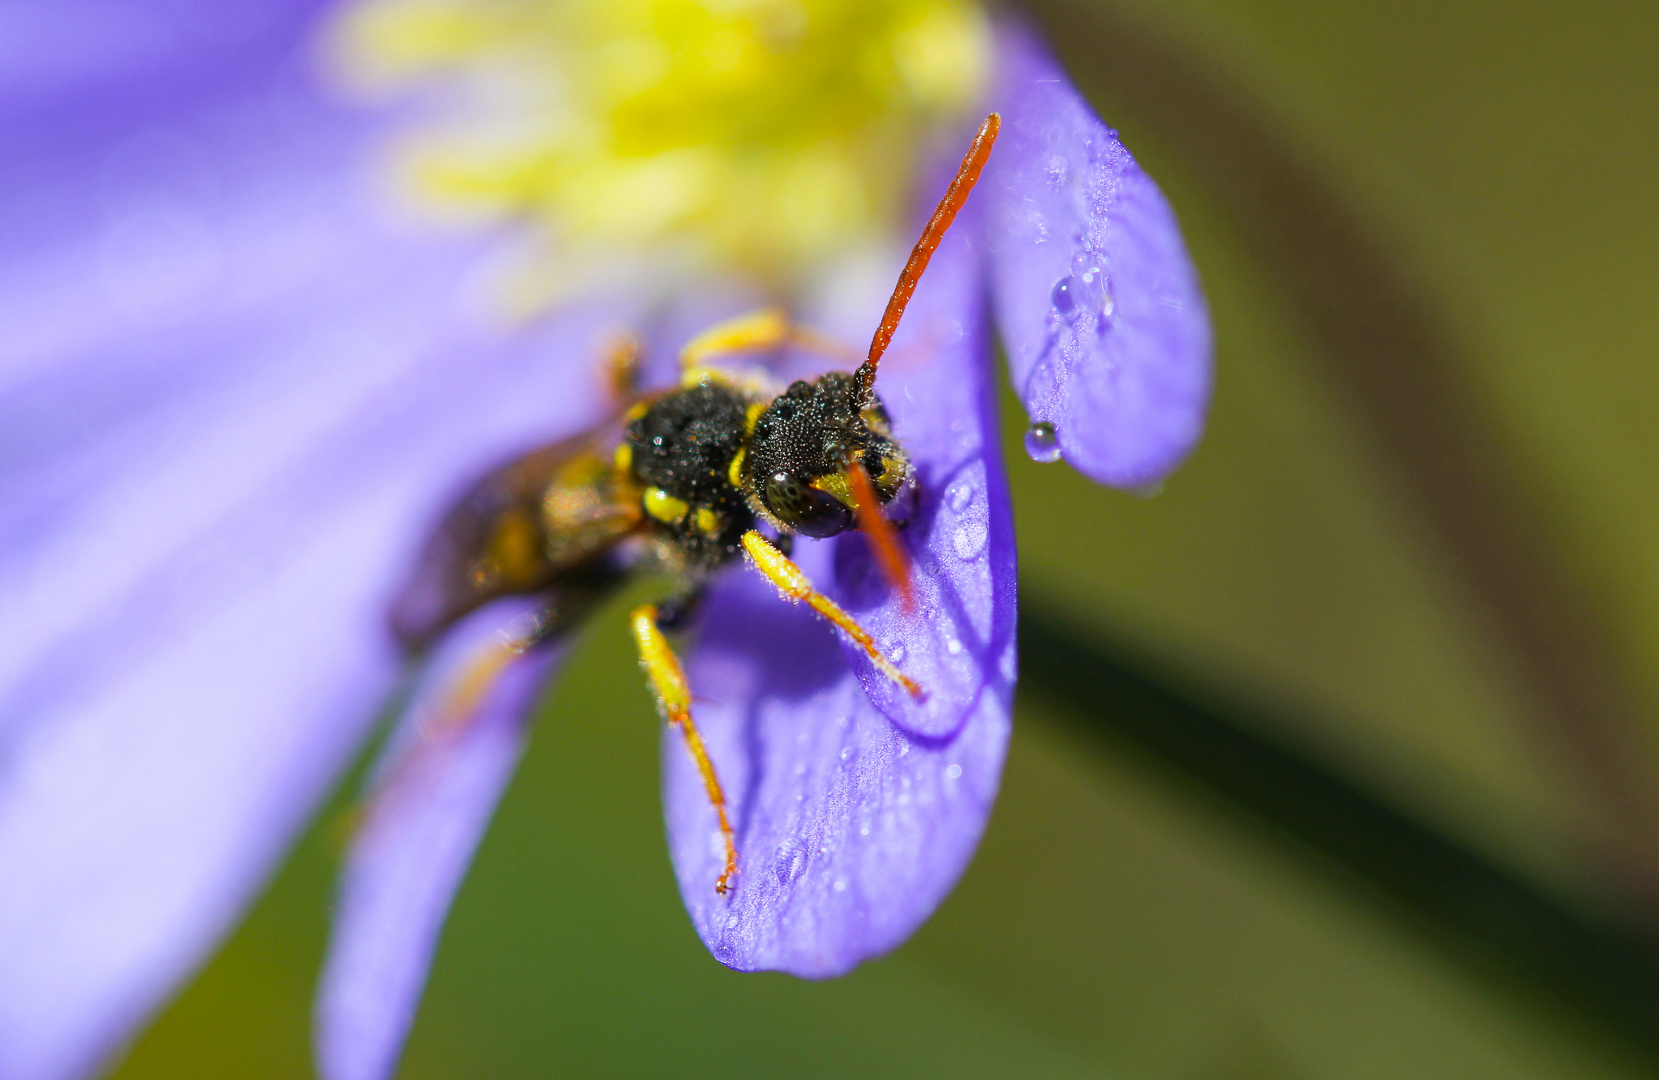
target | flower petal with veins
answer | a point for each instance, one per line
(1097, 301)
(438, 784)
(937, 384)
(849, 830)
(209, 493)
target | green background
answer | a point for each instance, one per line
(1119, 921)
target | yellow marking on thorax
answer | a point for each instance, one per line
(665, 507)
(734, 472)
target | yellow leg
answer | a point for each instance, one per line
(622, 367)
(793, 585)
(754, 332)
(450, 717)
(674, 698)
(768, 328)
(468, 689)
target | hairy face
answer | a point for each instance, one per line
(805, 442)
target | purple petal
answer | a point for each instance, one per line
(936, 383)
(232, 400)
(855, 809)
(1098, 303)
(435, 792)
(849, 830)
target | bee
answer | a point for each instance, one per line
(681, 481)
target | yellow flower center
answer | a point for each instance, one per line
(757, 135)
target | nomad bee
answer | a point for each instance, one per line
(680, 483)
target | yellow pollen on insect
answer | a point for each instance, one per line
(623, 459)
(749, 134)
(708, 522)
(665, 507)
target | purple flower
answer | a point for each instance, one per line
(235, 391)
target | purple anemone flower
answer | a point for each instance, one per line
(236, 389)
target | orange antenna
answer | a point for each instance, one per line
(890, 554)
(957, 194)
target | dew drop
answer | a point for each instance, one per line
(953, 772)
(970, 540)
(960, 495)
(847, 753)
(1088, 275)
(953, 646)
(1042, 442)
(1064, 298)
(840, 886)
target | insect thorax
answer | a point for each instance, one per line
(681, 447)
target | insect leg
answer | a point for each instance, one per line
(455, 709)
(622, 367)
(758, 331)
(662, 667)
(792, 584)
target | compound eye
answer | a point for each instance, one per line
(808, 510)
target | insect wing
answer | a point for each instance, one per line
(518, 529)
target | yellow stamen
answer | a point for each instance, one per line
(759, 135)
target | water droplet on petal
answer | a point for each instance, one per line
(1088, 272)
(970, 540)
(840, 886)
(1064, 298)
(960, 495)
(1042, 442)
(953, 646)
(953, 772)
(895, 652)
